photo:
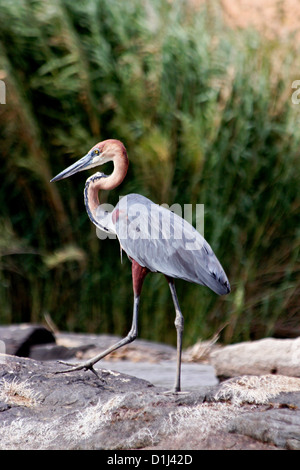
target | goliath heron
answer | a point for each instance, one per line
(154, 238)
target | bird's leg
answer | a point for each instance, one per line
(138, 275)
(179, 322)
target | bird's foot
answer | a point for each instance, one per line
(75, 367)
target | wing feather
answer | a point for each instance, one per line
(164, 242)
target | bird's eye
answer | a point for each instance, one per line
(96, 152)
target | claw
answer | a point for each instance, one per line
(75, 367)
(91, 368)
(67, 363)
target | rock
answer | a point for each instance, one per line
(162, 373)
(279, 422)
(37, 342)
(18, 339)
(40, 409)
(148, 360)
(140, 350)
(280, 427)
(140, 358)
(265, 356)
(79, 411)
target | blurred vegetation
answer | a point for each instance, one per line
(206, 116)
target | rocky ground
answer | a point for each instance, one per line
(257, 408)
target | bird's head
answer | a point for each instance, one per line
(101, 153)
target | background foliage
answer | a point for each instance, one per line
(206, 115)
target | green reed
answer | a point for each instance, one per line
(206, 115)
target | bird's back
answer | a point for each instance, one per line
(163, 242)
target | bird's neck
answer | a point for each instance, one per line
(99, 181)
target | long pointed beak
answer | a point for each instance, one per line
(80, 165)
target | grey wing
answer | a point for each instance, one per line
(164, 242)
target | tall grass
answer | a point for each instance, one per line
(206, 116)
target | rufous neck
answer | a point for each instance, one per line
(99, 182)
(119, 172)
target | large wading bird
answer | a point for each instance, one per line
(154, 238)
